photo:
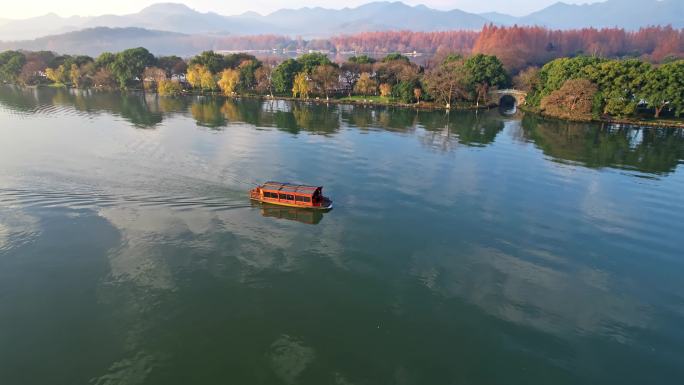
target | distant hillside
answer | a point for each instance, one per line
(376, 16)
(627, 14)
(308, 22)
(94, 41)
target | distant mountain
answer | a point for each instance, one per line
(308, 22)
(94, 41)
(179, 18)
(627, 14)
(375, 16)
(39, 26)
(500, 18)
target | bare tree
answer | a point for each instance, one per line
(326, 78)
(448, 82)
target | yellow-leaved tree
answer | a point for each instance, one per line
(57, 75)
(300, 86)
(207, 81)
(194, 76)
(385, 90)
(229, 81)
(75, 75)
(366, 85)
(169, 87)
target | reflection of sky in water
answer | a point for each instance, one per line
(438, 233)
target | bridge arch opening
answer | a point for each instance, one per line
(508, 104)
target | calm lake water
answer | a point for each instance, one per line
(463, 248)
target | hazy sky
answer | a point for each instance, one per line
(17, 9)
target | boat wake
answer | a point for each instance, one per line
(76, 199)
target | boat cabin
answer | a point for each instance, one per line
(290, 195)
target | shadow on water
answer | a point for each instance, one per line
(649, 150)
(310, 217)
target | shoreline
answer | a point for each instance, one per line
(424, 106)
(433, 107)
(651, 123)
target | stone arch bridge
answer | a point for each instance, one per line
(496, 96)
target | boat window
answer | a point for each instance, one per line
(270, 195)
(290, 197)
(306, 199)
(283, 196)
(299, 198)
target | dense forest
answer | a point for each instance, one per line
(584, 74)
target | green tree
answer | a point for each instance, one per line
(554, 74)
(215, 62)
(128, 66)
(284, 74)
(310, 61)
(234, 60)
(394, 57)
(105, 60)
(619, 82)
(247, 70)
(172, 65)
(664, 88)
(404, 90)
(11, 63)
(78, 60)
(485, 71)
(361, 59)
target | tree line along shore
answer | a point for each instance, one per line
(575, 88)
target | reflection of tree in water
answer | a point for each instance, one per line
(360, 117)
(466, 127)
(317, 119)
(207, 112)
(395, 119)
(652, 150)
(131, 106)
(135, 110)
(171, 104)
(21, 99)
(230, 111)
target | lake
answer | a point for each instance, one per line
(464, 248)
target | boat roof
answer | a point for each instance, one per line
(289, 187)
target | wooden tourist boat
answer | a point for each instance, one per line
(291, 195)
